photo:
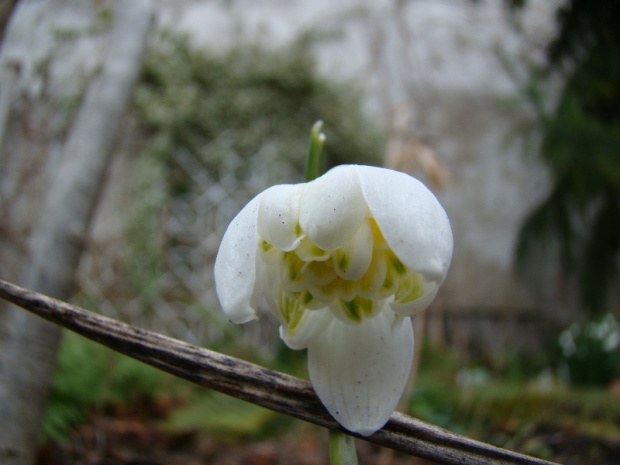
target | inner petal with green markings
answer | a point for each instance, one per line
(352, 281)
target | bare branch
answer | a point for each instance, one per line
(276, 391)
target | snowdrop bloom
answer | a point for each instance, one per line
(342, 262)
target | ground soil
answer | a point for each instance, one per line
(134, 436)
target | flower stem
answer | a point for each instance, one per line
(341, 449)
(341, 446)
(314, 168)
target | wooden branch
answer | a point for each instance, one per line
(276, 391)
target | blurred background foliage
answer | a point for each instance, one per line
(214, 104)
(581, 147)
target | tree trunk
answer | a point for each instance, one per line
(6, 10)
(28, 355)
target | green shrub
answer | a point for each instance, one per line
(89, 374)
(591, 351)
(239, 102)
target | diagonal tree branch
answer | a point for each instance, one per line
(276, 391)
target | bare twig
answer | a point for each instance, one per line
(276, 391)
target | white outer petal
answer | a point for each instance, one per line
(332, 207)
(412, 220)
(235, 266)
(278, 213)
(359, 371)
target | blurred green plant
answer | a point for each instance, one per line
(216, 104)
(581, 146)
(101, 23)
(88, 375)
(226, 418)
(473, 399)
(591, 351)
(144, 233)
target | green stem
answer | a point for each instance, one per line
(341, 446)
(341, 449)
(314, 168)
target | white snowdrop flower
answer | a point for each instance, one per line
(342, 262)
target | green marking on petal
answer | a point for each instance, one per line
(317, 252)
(306, 298)
(309, 251)
(292, 311)
(351, 310)
(269, 253)
(318, 274)
(292, 273)
(411, 289)
(358, 308)
(398, 266)
(388, 283)
(342, 261)
(353, 280)
(294, 265)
